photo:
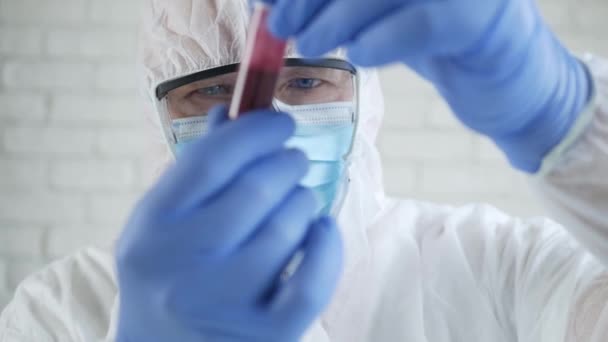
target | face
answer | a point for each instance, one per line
(296, 86)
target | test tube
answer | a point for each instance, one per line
(260, 67)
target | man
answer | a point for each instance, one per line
(233, 242)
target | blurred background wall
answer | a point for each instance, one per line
(72, 145)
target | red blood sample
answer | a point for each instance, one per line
(260, 68)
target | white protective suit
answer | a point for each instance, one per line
(415, 272)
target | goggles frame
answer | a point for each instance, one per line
(164, 88)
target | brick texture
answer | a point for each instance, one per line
(72, 141)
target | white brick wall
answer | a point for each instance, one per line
(72, 143)
(71, 136)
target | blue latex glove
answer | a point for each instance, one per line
(495, 62)
(202, 253)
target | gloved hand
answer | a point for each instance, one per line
(202, 253)
(495, 62)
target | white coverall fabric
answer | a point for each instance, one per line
(415, 272)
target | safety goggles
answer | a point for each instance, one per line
(325, 84)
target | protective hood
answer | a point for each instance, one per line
(180, 37)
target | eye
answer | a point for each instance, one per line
(215, 90)
(304, 83)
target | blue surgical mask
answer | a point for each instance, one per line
(324, 132)
(187, 130)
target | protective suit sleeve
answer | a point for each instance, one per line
(494, 277)
(541, 284)
(573, 181)
(79, 288)
(573, 184)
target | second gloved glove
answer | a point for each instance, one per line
(495, 62)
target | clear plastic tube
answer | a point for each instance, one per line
(260, 68)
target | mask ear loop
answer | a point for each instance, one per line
(346, 180)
